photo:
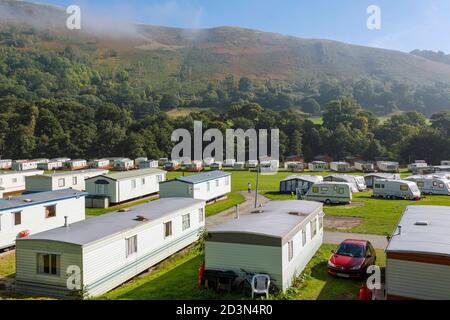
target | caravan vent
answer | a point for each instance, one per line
(422, 223)
(141, 218)
(125, 210)
(258, 211)
(27, 200)
(298, 213)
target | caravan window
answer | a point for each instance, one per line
(304, 237)
(131, 246)
(290, 250)
(404, 188)
(227, 181)
(441, 185)
(186, 221)
(133, 184)
(315, 189)
(435, 183)
(50, 212)
(74, 180)
(62, 183)
(420, 184)
(313, 228)
(201, 215)
(341, 191)
(17, 218)
(143, 181)
(160, 178)
(208, 186)
(48, 264)
(217, 183)
(321, 222)
(167, 229)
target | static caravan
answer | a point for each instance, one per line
(208, 161)
(330, 192)
(185, 161)
(148, 164)
(388, 166)
(123, 164)
(372, 177)
(340, 166)
(51, 165)
(195, 166)
(76, 164)
(34, 213)
(318, 166)
(41, 160)
(5, 164)
(294, 166)
(418, 255)
(281, 246)
(62, 180)
(445, 163)
(431, 185)
(441, 168)
(120, 187)
(269, 166)
(357, 182)
(299, 184)
(252, 164)
(62, 159)
(239, 166)
(216, 165)
(207, 186)
(138, 161)
(364, 166)
(24, 165)
(414, 167)
(162, 161)
(173, 165)
(229, 163)
(100, 164)
(396, 189)
(108, 250)
(14, 182)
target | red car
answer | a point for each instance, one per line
(352, 259)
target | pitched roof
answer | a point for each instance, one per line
(101, 227)
(203, 177)
(433, 238)
(132, 174)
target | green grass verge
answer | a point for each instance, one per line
(8, 265)
(220, 206)
(99, 212)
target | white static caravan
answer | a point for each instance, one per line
(110, 249)
(162, 161)
(34, 213)
(208, 161)
(195, 166)
(137, 161)
(239, 166)
(122, 164)
(396, 189)
(207, 186)
(431, 185)
(99, 164)
(417, 166)
(62, 180)
(279, 241)
(445, 163)
(14, 182)
(294, 166)
(330, 192)
(364, 166)
(252, 164)
(418, 255)
(148, 164)
(299, 184)
(5, 164)
(372, 177)
(229, 163)
(340, 166)
(120, 187)
(357, 182)
(216, 165)
(24, 165)
(388, 166)
(76, 164)
(318, 166)
(51, 165)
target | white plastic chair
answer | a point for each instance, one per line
(260, 284)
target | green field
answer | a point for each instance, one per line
(7, 265)
(176, 279)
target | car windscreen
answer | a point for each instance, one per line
(351, 250)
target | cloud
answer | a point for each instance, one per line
(169, 12)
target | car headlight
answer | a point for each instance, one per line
(356, 267)
(331, 264)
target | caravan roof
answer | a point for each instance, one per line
(309, 178)
(97, 228)
(277, 219)
(202, 177)
(424, 229)
(131, 174)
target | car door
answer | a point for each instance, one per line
(370, 255)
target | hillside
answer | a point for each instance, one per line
(190, 66)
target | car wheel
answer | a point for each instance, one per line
(328, 201)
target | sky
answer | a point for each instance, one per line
(405, 24)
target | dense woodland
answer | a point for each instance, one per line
(59, 103)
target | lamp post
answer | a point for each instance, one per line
(258, 168)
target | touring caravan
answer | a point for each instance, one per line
(396, 189)
(416, 166)
(445, 163)
(372, 177)
(431, 185)
(357, 182)
(364, 166)
(388, 166)
(330, 192)
(299, 184)
(340, 166)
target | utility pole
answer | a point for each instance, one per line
(258, 168)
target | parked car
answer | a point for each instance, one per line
(351, 259)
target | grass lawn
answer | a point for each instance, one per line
(176, 279)
(232, 200)
(8, 265)
(99, 212)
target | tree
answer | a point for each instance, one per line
(310, 105)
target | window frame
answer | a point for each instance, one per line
(47, 215)
(290, 250)
(53, 257)
(185, 221)
(63, 184)
(133, 247)
(201, 215)
(14, 214)
(170, 234)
